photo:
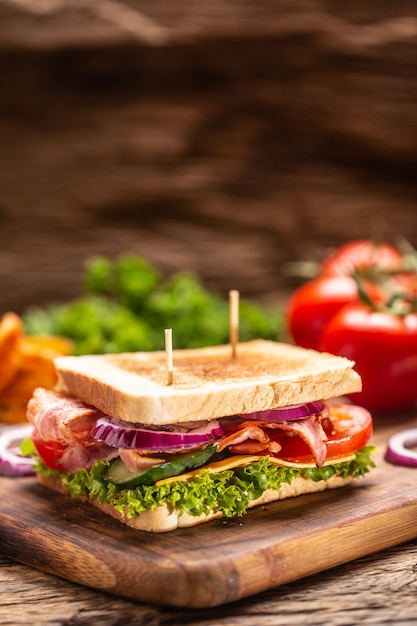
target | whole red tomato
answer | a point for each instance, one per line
(312, 305)
(360, 255)
(364, 254)
(383, 346)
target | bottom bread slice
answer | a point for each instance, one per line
(164, 518)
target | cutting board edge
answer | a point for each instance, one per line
(211, 597)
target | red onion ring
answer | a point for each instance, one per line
(288, 413)
(398, 449)
(120, 434)
(12, 463)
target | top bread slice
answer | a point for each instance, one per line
(208, 383)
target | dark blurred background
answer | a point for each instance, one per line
(226, 137)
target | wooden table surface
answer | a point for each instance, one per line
(378, 589)
(232, 185)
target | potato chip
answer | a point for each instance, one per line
(13, 411)
(36, 371)
(26, 362)
(11, 333)
(48, 346)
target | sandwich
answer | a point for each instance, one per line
(224, 433)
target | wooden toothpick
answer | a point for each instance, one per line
(234, 320)
(169, 359)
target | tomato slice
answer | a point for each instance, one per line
(50, 452)
(351, 430)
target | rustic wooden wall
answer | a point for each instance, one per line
(224, 137)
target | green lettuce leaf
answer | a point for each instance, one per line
(229, 491)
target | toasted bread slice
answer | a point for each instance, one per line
(208, 383)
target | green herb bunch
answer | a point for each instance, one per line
(127, 303)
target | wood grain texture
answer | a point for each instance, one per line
(377, 589)
(219, 562)
(250, 136)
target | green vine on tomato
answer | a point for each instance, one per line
(397, 303)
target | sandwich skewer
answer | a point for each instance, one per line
(169, 357)
(234, 320)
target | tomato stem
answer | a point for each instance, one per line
(410, 254)
(363, 295)
(399, 303)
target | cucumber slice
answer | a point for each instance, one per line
(119, 474)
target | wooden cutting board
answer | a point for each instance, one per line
(221, 561)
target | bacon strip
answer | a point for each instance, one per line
(255, 447)
(309, 429)
(247, 431)
(58, 417)
(135, 461)
(77, 457)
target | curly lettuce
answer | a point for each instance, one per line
(229, 491)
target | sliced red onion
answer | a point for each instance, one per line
(398, 450)
(12, 463)
(120, 434)
(288, 413)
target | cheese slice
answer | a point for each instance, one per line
(242, 460)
